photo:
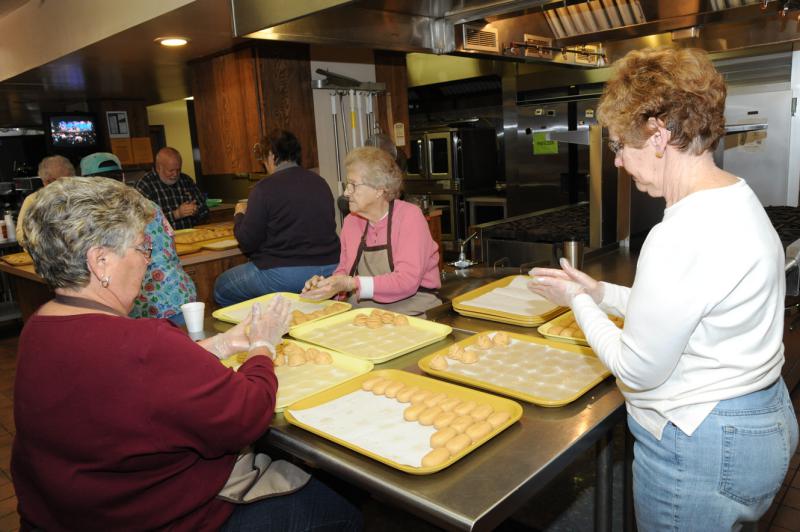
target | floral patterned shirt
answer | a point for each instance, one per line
(165, 286)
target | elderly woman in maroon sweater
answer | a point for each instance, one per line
(127, 424)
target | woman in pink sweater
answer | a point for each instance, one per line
(388, 258)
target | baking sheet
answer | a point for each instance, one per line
(374, 425)
(535, 370)
(507, 300)
(553, 329)
(238, 312)
(17, 259)
(298, 382)
(376, 345)
(203, 233)
(220, 244)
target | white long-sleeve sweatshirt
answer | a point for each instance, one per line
(704, 318)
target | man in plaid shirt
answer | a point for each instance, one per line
(177, 195)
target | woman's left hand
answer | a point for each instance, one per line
(555, 286)
(330, 286)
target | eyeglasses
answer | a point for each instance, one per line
(615, 146)
(145, 249)
(352, 186)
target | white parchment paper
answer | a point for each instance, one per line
(374, 423)
(515, 298)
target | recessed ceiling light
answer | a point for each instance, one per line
(172, 41)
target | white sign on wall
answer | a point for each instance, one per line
(118, 124)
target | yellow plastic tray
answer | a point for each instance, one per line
(499, 404)
(545, 330)
(299, 382)
(548, 309)
(376, 345)
(185, 249)
(542, 377)
(238, 312)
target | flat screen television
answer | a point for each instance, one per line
(71, 131)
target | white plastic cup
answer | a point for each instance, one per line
(194, 314)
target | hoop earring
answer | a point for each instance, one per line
(659, 155)
(104, 282)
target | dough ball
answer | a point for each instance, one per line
(481, 412)
(501, 339)
(444, 419)
(450, 404)
(497, 419)
(279, 360)
(436, 457)
(456, 444)
(465, 408)
(412, 412)
(392, 389)
(455, 352)
(374, 323)
(323, 358)
(291, 348)
(429, 415)
(469, 357)
(555, 330)
(380, 387)
(404, 395)
(317, 314)
(360, 320)
(376, 312)
(279, 349)
(337, 306)
(420, 396)
(435, 399)
(400, 320)
(461, 423)
(387, 318)
(370, 383)
(478, 430)
(297, 359)
(483, 341)
(439, 363)
(441, 437)
(298, 317)
(569, 332)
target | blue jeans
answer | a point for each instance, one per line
(723, 475)
(313, 507)
(247, 281)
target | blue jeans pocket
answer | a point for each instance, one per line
(754, 462)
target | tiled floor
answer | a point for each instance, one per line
(784, 515)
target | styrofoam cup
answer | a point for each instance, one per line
(194, 314)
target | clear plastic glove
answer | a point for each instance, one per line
(232, 341)
(267, 327)
(326, 288)
(555, 289)
(312, 283)
(590, 286)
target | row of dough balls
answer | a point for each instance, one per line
(459, 423)
(291, 354)
(378, 318)
(571, 329)
(201, 235)
(298, 316)
(469, 356)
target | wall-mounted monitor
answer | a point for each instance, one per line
(71, 131)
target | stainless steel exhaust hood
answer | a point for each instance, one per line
(583, 32)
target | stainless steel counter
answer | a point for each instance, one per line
(487, 486)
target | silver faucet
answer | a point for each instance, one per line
(463, 261)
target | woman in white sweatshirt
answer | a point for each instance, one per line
(699, 359)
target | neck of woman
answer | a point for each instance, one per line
(685, 174)
(97, 298)
(375, 213)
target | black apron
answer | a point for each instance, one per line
(372, 261)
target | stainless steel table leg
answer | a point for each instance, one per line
(604, 480)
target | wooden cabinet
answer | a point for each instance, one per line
(390, 68)
(242, 95)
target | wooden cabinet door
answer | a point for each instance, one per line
(228, 112)
(204, 275)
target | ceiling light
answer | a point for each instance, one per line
(172, 41)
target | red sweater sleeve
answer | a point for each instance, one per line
(198, 402)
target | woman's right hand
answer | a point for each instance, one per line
(267, 327)
(568, 273)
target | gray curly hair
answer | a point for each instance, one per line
(75, 214)
(378, 169)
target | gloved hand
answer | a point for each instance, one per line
(590, 286)
(312, 283)
(234, 340)
(326, 288)
(267, 328)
